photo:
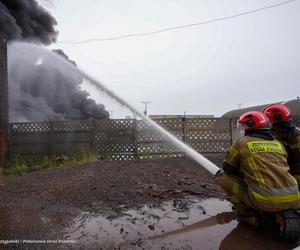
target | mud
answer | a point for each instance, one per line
(150, 204)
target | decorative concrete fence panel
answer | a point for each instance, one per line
(114, 139)
(122, 139)
(55, 138)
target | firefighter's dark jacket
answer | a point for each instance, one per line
(289, 135)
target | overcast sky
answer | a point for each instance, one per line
(209, 69)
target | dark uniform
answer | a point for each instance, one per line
(289, 135)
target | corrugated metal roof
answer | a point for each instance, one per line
(294, 105)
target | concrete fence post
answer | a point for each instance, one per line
(135, 127)
(183, 128)
(231, 130)
(4, 114)
(93, 139)
(50, 140)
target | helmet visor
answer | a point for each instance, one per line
(238, 130)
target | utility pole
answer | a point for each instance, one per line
(240, 105)
(111, 112)
(146, 104)
(183, 125)
(134, 116)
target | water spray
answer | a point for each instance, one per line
(204, 162)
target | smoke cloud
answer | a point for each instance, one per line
(43, 89)
(39, 90)
(27, 20)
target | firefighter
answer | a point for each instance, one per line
(287, 133)
(255, 173)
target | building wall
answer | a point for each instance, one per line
(155, 117)
(237, 131)
(294, 106)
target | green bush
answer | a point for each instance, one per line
(21, 165)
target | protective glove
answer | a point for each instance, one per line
(219, 173)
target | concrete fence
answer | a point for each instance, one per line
(122, 139)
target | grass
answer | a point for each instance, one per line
(19, 165)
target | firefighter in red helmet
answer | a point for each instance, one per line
(287, 133)
(255, 173)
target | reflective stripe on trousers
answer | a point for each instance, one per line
(275, 195)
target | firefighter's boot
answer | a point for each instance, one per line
(247, 214)
(284, 224)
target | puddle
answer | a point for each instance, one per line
(182, 225)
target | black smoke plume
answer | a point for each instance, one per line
(39, 90)
(42, 88)
(27, 20)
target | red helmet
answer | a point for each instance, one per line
(278, 113)
(254, 119)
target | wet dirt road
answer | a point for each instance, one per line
(150, 204)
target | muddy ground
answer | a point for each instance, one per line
(41, 205)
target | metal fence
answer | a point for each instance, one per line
(122, 139)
